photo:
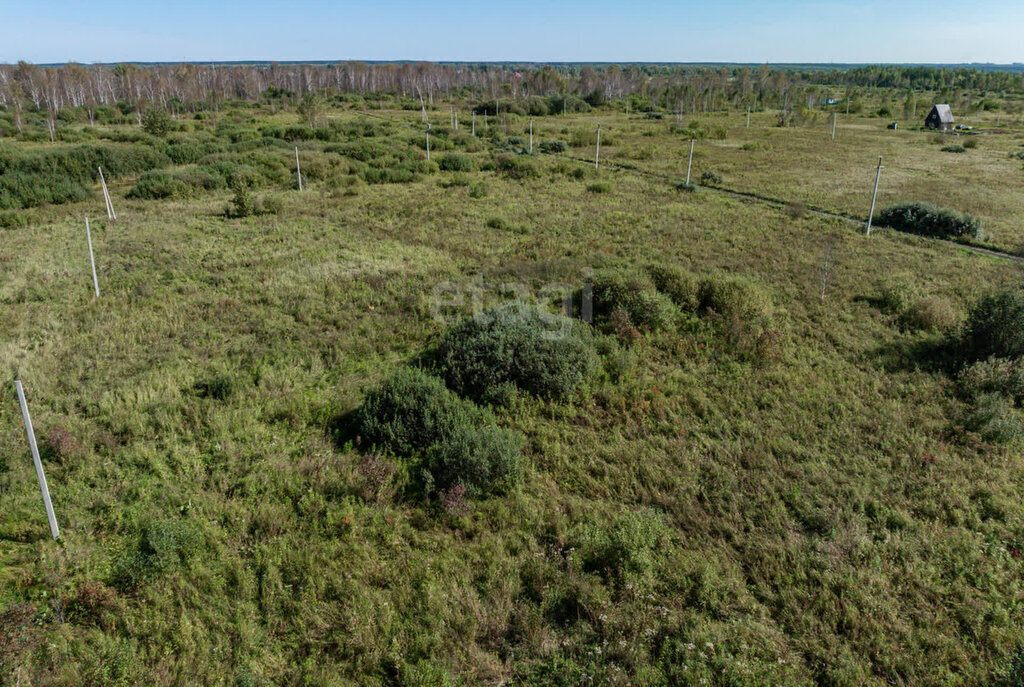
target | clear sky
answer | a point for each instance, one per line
(599, 30)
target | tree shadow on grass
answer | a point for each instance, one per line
(936, 354)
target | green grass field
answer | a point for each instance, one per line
(815, 515)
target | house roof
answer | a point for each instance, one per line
(944, 113)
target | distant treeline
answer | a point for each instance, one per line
(193, 87)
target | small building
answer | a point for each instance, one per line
(941, 117)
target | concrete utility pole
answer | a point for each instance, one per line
(474, 122)
(689, 165)
(835, 116)
(92, 258)
(428, 145)
(874, 194)
(748, 117)
(597, 153)
(106, 196)
(54, 531)
(531, 136)
(298, 171)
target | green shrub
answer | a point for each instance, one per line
(683, 185)
(156, 121)
(242, 201)
(13, 220)
(158, 184)
(515, 167)
(192, 151)
(927, 220)
(485, 460)
(681, 286)
(954, 148)
(633, 294)
(163, 546)
(626, 547)
(737, 298)
(993, 417)
(456, 162)
(478, 190)
(994, 376)
(413, 414)
(710, 178)
(995, 327)
(599, 187)
(515, 346)
(552, 147)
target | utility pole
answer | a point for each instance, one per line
(597, 154)
(689, 165)
(835, 115)
(92, 259)
(531, 136)
(298, 170)
(874, 194)
(54, 531)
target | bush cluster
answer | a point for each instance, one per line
(515, 347)
(515, 167)
(617, 293)
(456, 162)
(623, 548)
(451, 440)
(924, 219)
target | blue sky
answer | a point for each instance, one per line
(723, 31)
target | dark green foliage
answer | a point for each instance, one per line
(192, 151)
(515, 167)
(156, 121)
(994, 376)
(680, 285)
(552, 147)
(19, 190)
(411, 411)
(954, 148)
(456, 162)
(632, 293)
(486, 460)
(710, 178)
(737, 298)
(13, 220)
(61, 176)
(683, 185)
(413, 415)
(995, 327)
(993, 417)
(599, 187)
(243, 203)
(515, 346)
(181, 184)
(927, 220)
(163, 546)
(478, 190)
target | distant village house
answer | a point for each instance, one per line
(941, 117)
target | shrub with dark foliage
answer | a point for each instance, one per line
(995, 327)
(924, 219)
(497, 351)
(633, 293)
(413, 415)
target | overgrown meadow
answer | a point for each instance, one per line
(304, 438)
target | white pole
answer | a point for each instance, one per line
(689, 165)
(54, 531)
(748, 117)
(92, 258)
(474, 122)
(428, 145)
(456, 119)
(597, 153)
(834, 116)
(874, 194)
(485, 120)
(531, 135)
(298, 171)
(106, 196)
